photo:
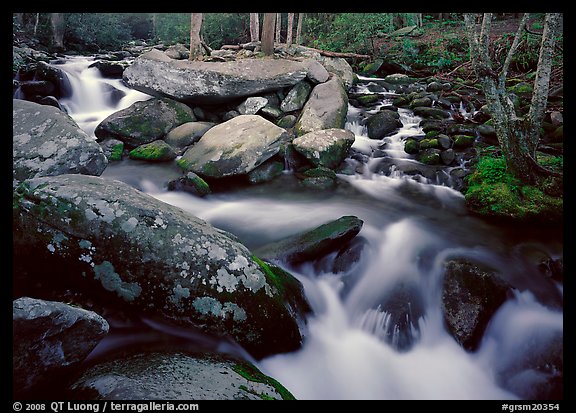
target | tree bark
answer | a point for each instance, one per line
(299, 28)
(278, 27)
(290, 29)
(254, 27)
(58, 27)
(196, 49)
(268, 33)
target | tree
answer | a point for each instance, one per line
(196, 49)
(518, 136)
(268, 33)
(299, 28)
(58, 28)
(290, 29)
(278, 27)
(254, 27)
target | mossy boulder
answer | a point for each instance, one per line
(125, 249)
(521, 89)
(327, 147)
(398, 79)
(430, 156)
(176, 376)
(191, 183)
(314, 243)
(370, 68)
(463, 141)
(422, 102)
(157, 151)
(411, 146)
(383, 123)
(145, 121)
(320, 178)
(368, 100)
(266, 172)
(429, 143)
(433, 113)
(296, 97)
(471, 294)
(113, 149)
(50, 338)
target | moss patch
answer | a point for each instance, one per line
(251, 373)
(157, 151)
(116, 152)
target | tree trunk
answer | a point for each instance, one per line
(290, 29)
(154, 25)
(268, 33)
(36, 20)
(278, 27)
(299, 28)
(57, 21)
(196, 49)
(254, 27)
(513, 132)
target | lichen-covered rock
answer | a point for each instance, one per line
(326, 108)
(187, 134)
(234, 147)
(49, 338)
(252, 105)
(340, 67)
(398, 79)
(157, 151)
(296, 97)
(211, 82)
(327, 147)
(383, 123)
(314, 243)
(46, 142)
(470, 297)
(145, 121)
(177, 376)
(126, 248)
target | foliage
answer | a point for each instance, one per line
(493, 192)
(226, 28)
(172, 28)
(96, 31)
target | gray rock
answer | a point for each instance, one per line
(210, 82)
(316, 72)
(37, 87)
(425, 101)
(296, 98)
(314, 243)
(113, 149)
(287, 121)
(430, 156)
(433, 113)
(340, 67)
(152, 258)
(252, 105)
(444, 141)
(486, 131)
(110, 69)
(382, 124)
(398, 79)
(320, 178)
(266, 172)
(271, 112)
(50, 337)
(437, 86)
(234, 147)
(447, 156)
(177, 51)
(145, 121)
(187, 134)
(471, 295)
(56, 76)
(326, 108)
(46, 142)
(327, 147)
(177, 376)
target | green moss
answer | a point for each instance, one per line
(463, 141)
(158, 151)
(116, 152)
(430, 157)
(432, 134)
(367, 99)
(429, 143)
(521, 88)
(184, 164)
(251, 373)
(411, 146)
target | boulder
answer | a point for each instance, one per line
(252, 105)
(463, 141)
(326, 108)
(316, 72)
(327, 147)
(319, 178)
(210, 82)
(411, 146)
(471, 294)
(382, 124)
(430, 156)
(145, 121)
(127, 249)
(49, 338)
(234, 147)
(187, 134)
(157, 151)
(340, 67)
(287, 121)
(312, 244)
(191, 183)
(266, 172)
(176, 376)
(46, 142)
(433, 113)
(32, 88)
(398, 79)
(177, 51)
(110, 69)
(296, 98)
(56, 76)
(113, 149)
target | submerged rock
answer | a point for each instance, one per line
(471, 295)
(128, 249)
(314, 243)
(177, 376)
(145, 121)
(47, 142)
(50, 338)
(234, 147)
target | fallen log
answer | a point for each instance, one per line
(340, 54)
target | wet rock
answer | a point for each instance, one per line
(430, 156)
(398, 79)
(471, 295)
(144, 122)
(252, 105)
(49, 339)
(463, 141)
(327, 147)
(46, 142)
(234, 147)
(447, 156)
(157, 151)
(177, 376)
(296, 97)
(110, 69)
(57, 77)
(37, 87)
(433, 113)
(191, 183)
(320, 178)
(127, 249)
(266, 172)
(187, 134)
(314, 243)
(50, 101)
(444, 141)
(383, 123)
(287, 121)
(421, 102)
(113, 149)
(411, 146)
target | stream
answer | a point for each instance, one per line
(353, 348)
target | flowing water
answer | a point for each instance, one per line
(377, 330)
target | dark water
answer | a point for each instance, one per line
(353, 349)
